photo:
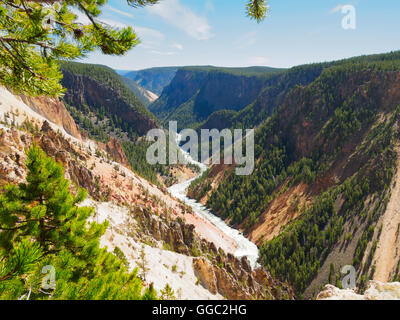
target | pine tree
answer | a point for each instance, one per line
(167, 293)
(42, 226)
(45, 209)
(142, 263)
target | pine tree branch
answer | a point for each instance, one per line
(5, 277)
(8, 275)
(90, 17)
(21, 226)
(40, 44)
(26, 10)
(21, 62)
(96, 26)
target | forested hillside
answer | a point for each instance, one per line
(100, 89)
(104, 106)
(334, 136)
(83, 215)
(196, 92)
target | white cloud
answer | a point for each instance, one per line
(141, 31)
(123, 13)
(257, 61)
(183, 18)
(144, 32)
(177, 46)
(113, 23)
(150, 38)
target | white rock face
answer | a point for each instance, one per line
(14, 110)
(164, 267)
(376, 291)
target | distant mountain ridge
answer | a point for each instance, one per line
(153, 79)
(145, 96)
(197, 91)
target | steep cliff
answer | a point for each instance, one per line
(146, 97)
(54, 110)
(148, 228)
(101, 90)
(196, 92)
(321, 193)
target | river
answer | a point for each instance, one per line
(244, 246)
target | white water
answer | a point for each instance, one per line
(244, 246)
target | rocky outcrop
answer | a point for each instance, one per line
(216, 271)
(114, 149)
(179, 236)
(376, 291)
(231, 279)
(55, 111)
(12, 156)
(62, 150)
(205, 273)
(84, 90)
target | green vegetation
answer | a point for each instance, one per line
(136, 154)
(109, 78)
(200, 185)
(43, 228)
(259, 71)
(274, 92)
(36, 35)
(100, 121)
(319, 128)
(167, 293)
(192, 96)
(279, 84)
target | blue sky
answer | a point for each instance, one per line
(217, 32)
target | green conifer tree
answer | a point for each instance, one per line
(45, 209)
(43, 228)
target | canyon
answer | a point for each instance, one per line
(142, 217)
(323, 195)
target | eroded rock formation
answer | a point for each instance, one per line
(217, 271)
